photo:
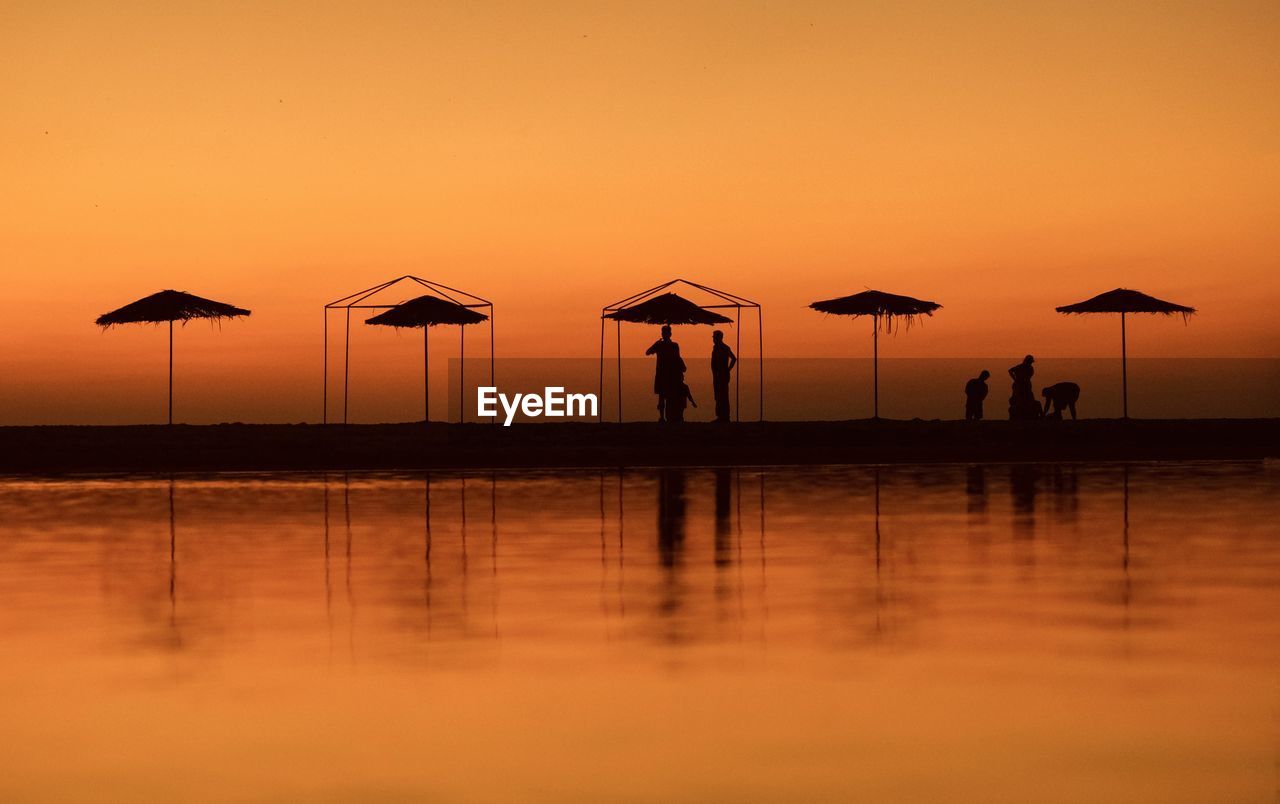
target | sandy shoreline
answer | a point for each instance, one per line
(265, 447)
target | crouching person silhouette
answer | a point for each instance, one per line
(1060, 396)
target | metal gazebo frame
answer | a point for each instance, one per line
(356, 301)
(732, 301)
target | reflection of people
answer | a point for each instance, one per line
(722, 362)
(677, 403)
(975, 391)
(1024, 479)
(1061, 395)
(668, 372)
(976, 489)
(671, 516)
(1022, 402)
(722, 528)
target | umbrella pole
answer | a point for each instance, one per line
(426, 379)
(618, 328)
(600, 416)
(737, 375)
(760, 377)
(462, 356)
(875, 366)
(494, 420)
(346, 368)
(170, 372)
(324, 409)
(1124, 370)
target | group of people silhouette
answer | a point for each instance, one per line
(668, 377)
(674, 395)
(1022, 401)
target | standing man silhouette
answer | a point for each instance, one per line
(975, 391)
(723, 361)
(668, 372)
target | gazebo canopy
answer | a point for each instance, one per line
(442, 305)
(660, 305)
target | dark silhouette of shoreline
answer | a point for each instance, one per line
(268, 447)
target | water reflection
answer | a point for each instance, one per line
(723, 526)
(868, 585)
(1065, 492)
(694, 577)
(671, 516)
(1024, 486)
(976, 493)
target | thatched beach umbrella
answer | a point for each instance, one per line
(885, 309)
(669, 308)
(426, 312)
(1125, 301)
(168, 306)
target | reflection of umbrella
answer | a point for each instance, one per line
(669, 308)
(173, 559)
(1124, 301)
(169, 306)
(882, 307)
(425, 312)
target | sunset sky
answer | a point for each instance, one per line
(998, 158)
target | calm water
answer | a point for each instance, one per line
(1055, 633)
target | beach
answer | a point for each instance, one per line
(408, 446)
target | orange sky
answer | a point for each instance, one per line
(555, 157)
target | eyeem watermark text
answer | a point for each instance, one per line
(553, 402)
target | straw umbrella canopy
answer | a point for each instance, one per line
(886, 310)
(1124, 301)
(669, 308)
(425, 312)
(168, 306)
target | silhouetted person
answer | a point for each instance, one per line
(668, 372)
(676, 404)
(722, 362)
(1022, 402)
(975, 391)
(1062, 395)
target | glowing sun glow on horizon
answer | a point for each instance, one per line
(554, 157)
